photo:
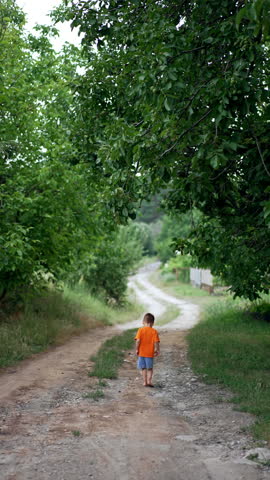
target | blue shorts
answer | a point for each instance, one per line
(145, 362)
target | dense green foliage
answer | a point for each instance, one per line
(180, 267)
(177, 96)
(45, 203)
(55, 216)
(150, 210)
(172, 228)
(230, 348)
(172, 98)
(105, 269)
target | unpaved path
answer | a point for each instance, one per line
(156, 301)
(181, 430)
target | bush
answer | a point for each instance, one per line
(105, 271)
(146, 238)
(260, 310)
(173, 228)
(180, 267)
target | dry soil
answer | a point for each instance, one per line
(182, 429)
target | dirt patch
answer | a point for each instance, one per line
(181, 429)
(46, 369)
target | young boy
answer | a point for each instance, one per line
(147, 347)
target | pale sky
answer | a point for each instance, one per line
(37, 12)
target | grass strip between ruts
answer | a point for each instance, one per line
(170, 314)
(111, 355)
(230, 347)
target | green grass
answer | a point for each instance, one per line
(231, 347)
(45, 320)
(170, 285)
(184, 289)
(51, 319)
(111, 355)
(102, 383)
(170, 314)
(96, 395)
(100, 310)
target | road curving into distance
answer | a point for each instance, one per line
(157, 302)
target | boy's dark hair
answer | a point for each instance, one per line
(149, 318)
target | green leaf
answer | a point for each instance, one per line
(214, 162)
(240, 15)
(125, 212)
(166, 105)
(172, 75)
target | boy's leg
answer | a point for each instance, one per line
(142, 366)
(144, 375)
(149, 376)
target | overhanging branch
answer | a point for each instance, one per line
(185, 132)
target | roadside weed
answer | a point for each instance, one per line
(111, 355)
(102, 383)
(96, 395)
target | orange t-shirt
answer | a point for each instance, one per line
(148, 336)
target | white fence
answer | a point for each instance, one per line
(201, 278)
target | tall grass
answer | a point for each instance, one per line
(101, 311)
(51, 319)
(231, 347)
(37, 326)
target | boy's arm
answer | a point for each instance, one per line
(157, 349)
(138, 341)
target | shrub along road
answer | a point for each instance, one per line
(56, 423)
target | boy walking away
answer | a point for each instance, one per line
(147, 347)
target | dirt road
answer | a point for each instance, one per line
(180, 430)
(156, 301)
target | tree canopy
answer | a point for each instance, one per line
(175, 95)
(166, 97)
(50, 208)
